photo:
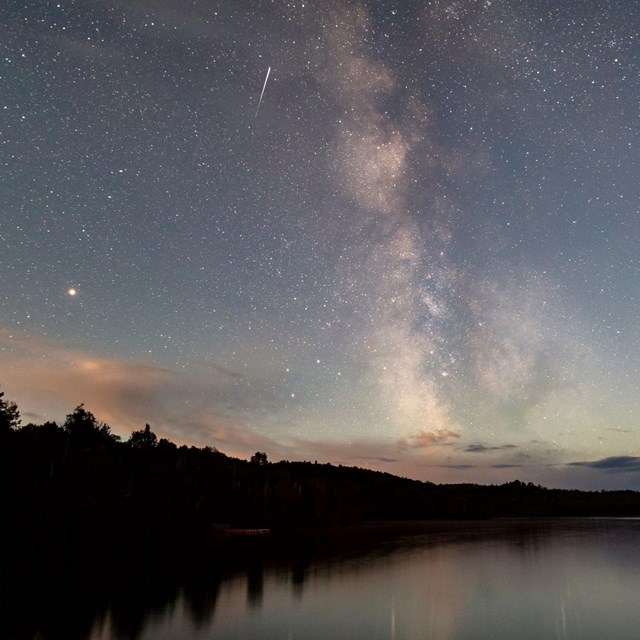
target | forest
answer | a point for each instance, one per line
(78, 481)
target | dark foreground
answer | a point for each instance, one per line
(64, 485)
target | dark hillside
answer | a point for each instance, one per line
(79, 482)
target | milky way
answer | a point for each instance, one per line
(420, 254)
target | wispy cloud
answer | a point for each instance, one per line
(481, 448)
(612, 464)
(373, 459)
(427, 439)
(196, 407)
(200, 406)
(461, 467)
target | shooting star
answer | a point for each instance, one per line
(264, 86)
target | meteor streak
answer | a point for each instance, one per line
(264, 86)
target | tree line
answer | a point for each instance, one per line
(78, 481)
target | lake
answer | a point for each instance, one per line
(518, 579)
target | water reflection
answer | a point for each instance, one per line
(511, 579)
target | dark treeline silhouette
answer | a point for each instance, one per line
(79, 482)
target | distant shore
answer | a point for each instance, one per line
(78, 482)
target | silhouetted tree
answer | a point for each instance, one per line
(84, 428)
(259, 458)
(9, 414)
(144, 439)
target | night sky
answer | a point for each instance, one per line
(420, 254)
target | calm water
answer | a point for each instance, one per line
(512, 579)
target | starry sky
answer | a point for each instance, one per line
(418, 253)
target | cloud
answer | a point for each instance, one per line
(374, 459)
(461, 467)
(425, 439)
(200, 406)
(481, 448)
(612, 464)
